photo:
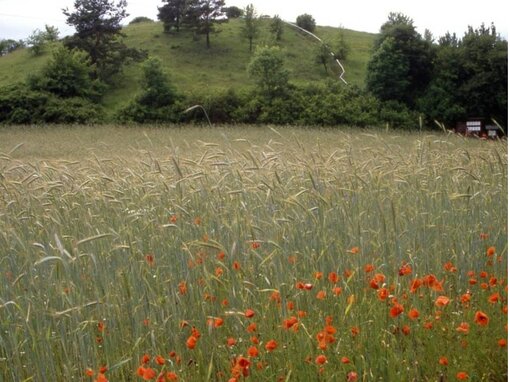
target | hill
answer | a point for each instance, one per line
(191, 67)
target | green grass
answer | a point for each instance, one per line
(82, 207)
(192, 67)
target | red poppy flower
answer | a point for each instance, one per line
(321, 359)
(253, 351)
(413, 314)
(396, 310)
(345, 360)
(160, 360)
(249, 313)
(171, 376)
(463, 328)
(443, 361)
(369, 268)
(352, 376)
(271, 345)
(191, 342)
(442, 301)
(333, 277)
(382, 294)
(321, 295)
(89, 372)
(462, 375)
(252, 327)
(231, 342)
(148, 374)
(491, 251)
(481, 318)
(405, 269)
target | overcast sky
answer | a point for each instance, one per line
(19, 18)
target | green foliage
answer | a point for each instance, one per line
(98, 32)
(387, 72)
(9, 45)
(398, 115)
(402, 58)
(276, 27)
(233, 12)
(251, 27)
(323, 56)
(203, 15)
(341, 47)
(21, 105)
(268, 71)
(37, 41)
(484, 89)
(67, 74)
(51, 33)
(141, 19)
(158, 101)
(306, 22)
(171, 14)
(469, 78)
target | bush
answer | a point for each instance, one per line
(158, 101)
(141, 19)
(398, 115)
(306, 22)
(68, 74)
(21, 105)
(71, 111)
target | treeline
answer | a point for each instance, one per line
(410, 77)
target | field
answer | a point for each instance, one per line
(251, 253)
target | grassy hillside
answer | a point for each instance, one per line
(192, 67)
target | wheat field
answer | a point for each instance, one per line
(251, 253)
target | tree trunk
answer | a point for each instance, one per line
(251, 43)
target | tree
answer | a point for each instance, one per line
(323, 56)
(38, 39)
(51, 33)
(157, 102)
(387, 73)
(36, 42)
(400, 50)
(341, 48)
(484, 89)
(268, 71)
(67, 74)
(98, 32)
(250, 29)
(469, 77)
(233, 12)
(9, 45)
(202, 15)
(276, 27)
(306, 22)
(171, 14)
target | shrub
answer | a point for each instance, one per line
(306, 22)
(141, 19)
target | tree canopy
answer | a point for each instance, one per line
(98, 32)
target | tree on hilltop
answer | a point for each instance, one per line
(203, 15)
(98, 32)
(171, 14)
(250, 29)
(306, 22)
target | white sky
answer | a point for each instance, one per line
(19, 18)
